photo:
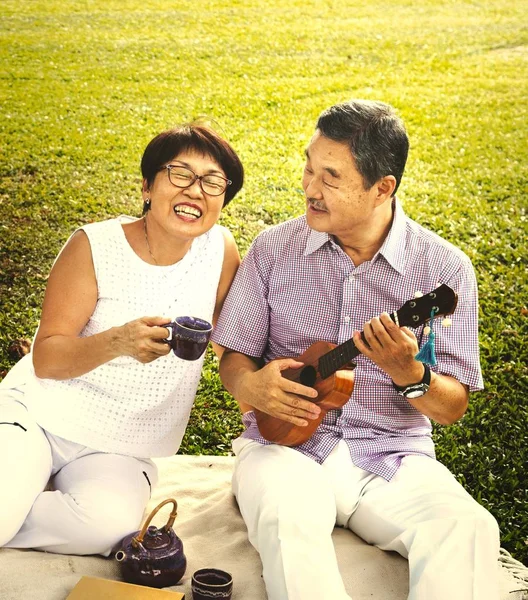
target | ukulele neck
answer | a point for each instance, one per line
(341, 355)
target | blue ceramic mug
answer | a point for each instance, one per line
(188, 336)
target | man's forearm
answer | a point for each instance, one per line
(445, 402)
(394, 349)
(233, 367)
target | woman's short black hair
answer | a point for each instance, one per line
(194, 138)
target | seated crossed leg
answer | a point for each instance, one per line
(96, 498)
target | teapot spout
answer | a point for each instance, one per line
(121, 556)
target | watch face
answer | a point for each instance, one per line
(415, 393)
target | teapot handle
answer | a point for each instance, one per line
(136, 541)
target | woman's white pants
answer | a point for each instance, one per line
(291, 504)
(95, 499)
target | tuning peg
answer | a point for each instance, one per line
(418, 294)
(427, 330)
(446, 322)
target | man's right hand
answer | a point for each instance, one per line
(266, 390)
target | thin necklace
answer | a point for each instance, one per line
(146, 239)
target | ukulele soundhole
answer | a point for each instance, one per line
(308, 376)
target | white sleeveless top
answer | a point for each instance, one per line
(124, 406)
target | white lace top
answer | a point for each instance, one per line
(125, 406)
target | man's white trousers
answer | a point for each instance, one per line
(291, 504)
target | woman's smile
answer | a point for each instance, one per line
(187, 212)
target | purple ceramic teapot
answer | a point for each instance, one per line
(153, 556)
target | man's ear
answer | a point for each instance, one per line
(385, 189)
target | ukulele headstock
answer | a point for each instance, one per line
(416, 312)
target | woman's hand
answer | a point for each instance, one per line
(143, 339)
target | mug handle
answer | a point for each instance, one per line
(170, 330)
(136, 541)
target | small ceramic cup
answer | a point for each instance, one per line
(211, 583)
(188, 337)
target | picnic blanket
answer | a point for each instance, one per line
(214, 535)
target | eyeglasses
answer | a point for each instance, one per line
(183, 177)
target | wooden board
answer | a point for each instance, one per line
(90, 588)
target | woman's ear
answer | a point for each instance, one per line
(145, 189)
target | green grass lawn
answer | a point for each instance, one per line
(86, 84)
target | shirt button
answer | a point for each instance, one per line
(351, 278)
(347, 319)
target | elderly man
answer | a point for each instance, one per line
(370, 464)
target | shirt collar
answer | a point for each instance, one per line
(315, 240)
(393, 248)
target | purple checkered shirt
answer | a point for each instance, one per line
(296, 286)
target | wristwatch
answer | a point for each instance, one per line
(416, 390)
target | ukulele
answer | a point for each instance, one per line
(328, 368)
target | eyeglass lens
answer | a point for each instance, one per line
(183, 177)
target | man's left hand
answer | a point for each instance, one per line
(392, 348)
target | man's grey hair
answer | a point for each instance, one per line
(375, 135)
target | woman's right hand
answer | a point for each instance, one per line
(143, 339)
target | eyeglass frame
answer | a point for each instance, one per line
(198, 178)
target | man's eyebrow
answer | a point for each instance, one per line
(329, 170)
(332, 172)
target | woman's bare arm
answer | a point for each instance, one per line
(69, 302)
(229, 269)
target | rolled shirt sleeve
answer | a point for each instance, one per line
(243, 324)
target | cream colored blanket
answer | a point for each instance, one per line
(213, 535)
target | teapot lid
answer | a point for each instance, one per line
(156, 539)
(152, 538)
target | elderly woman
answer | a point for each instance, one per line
(101, 393)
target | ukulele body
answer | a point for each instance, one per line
(334, 392)
(337, 383)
